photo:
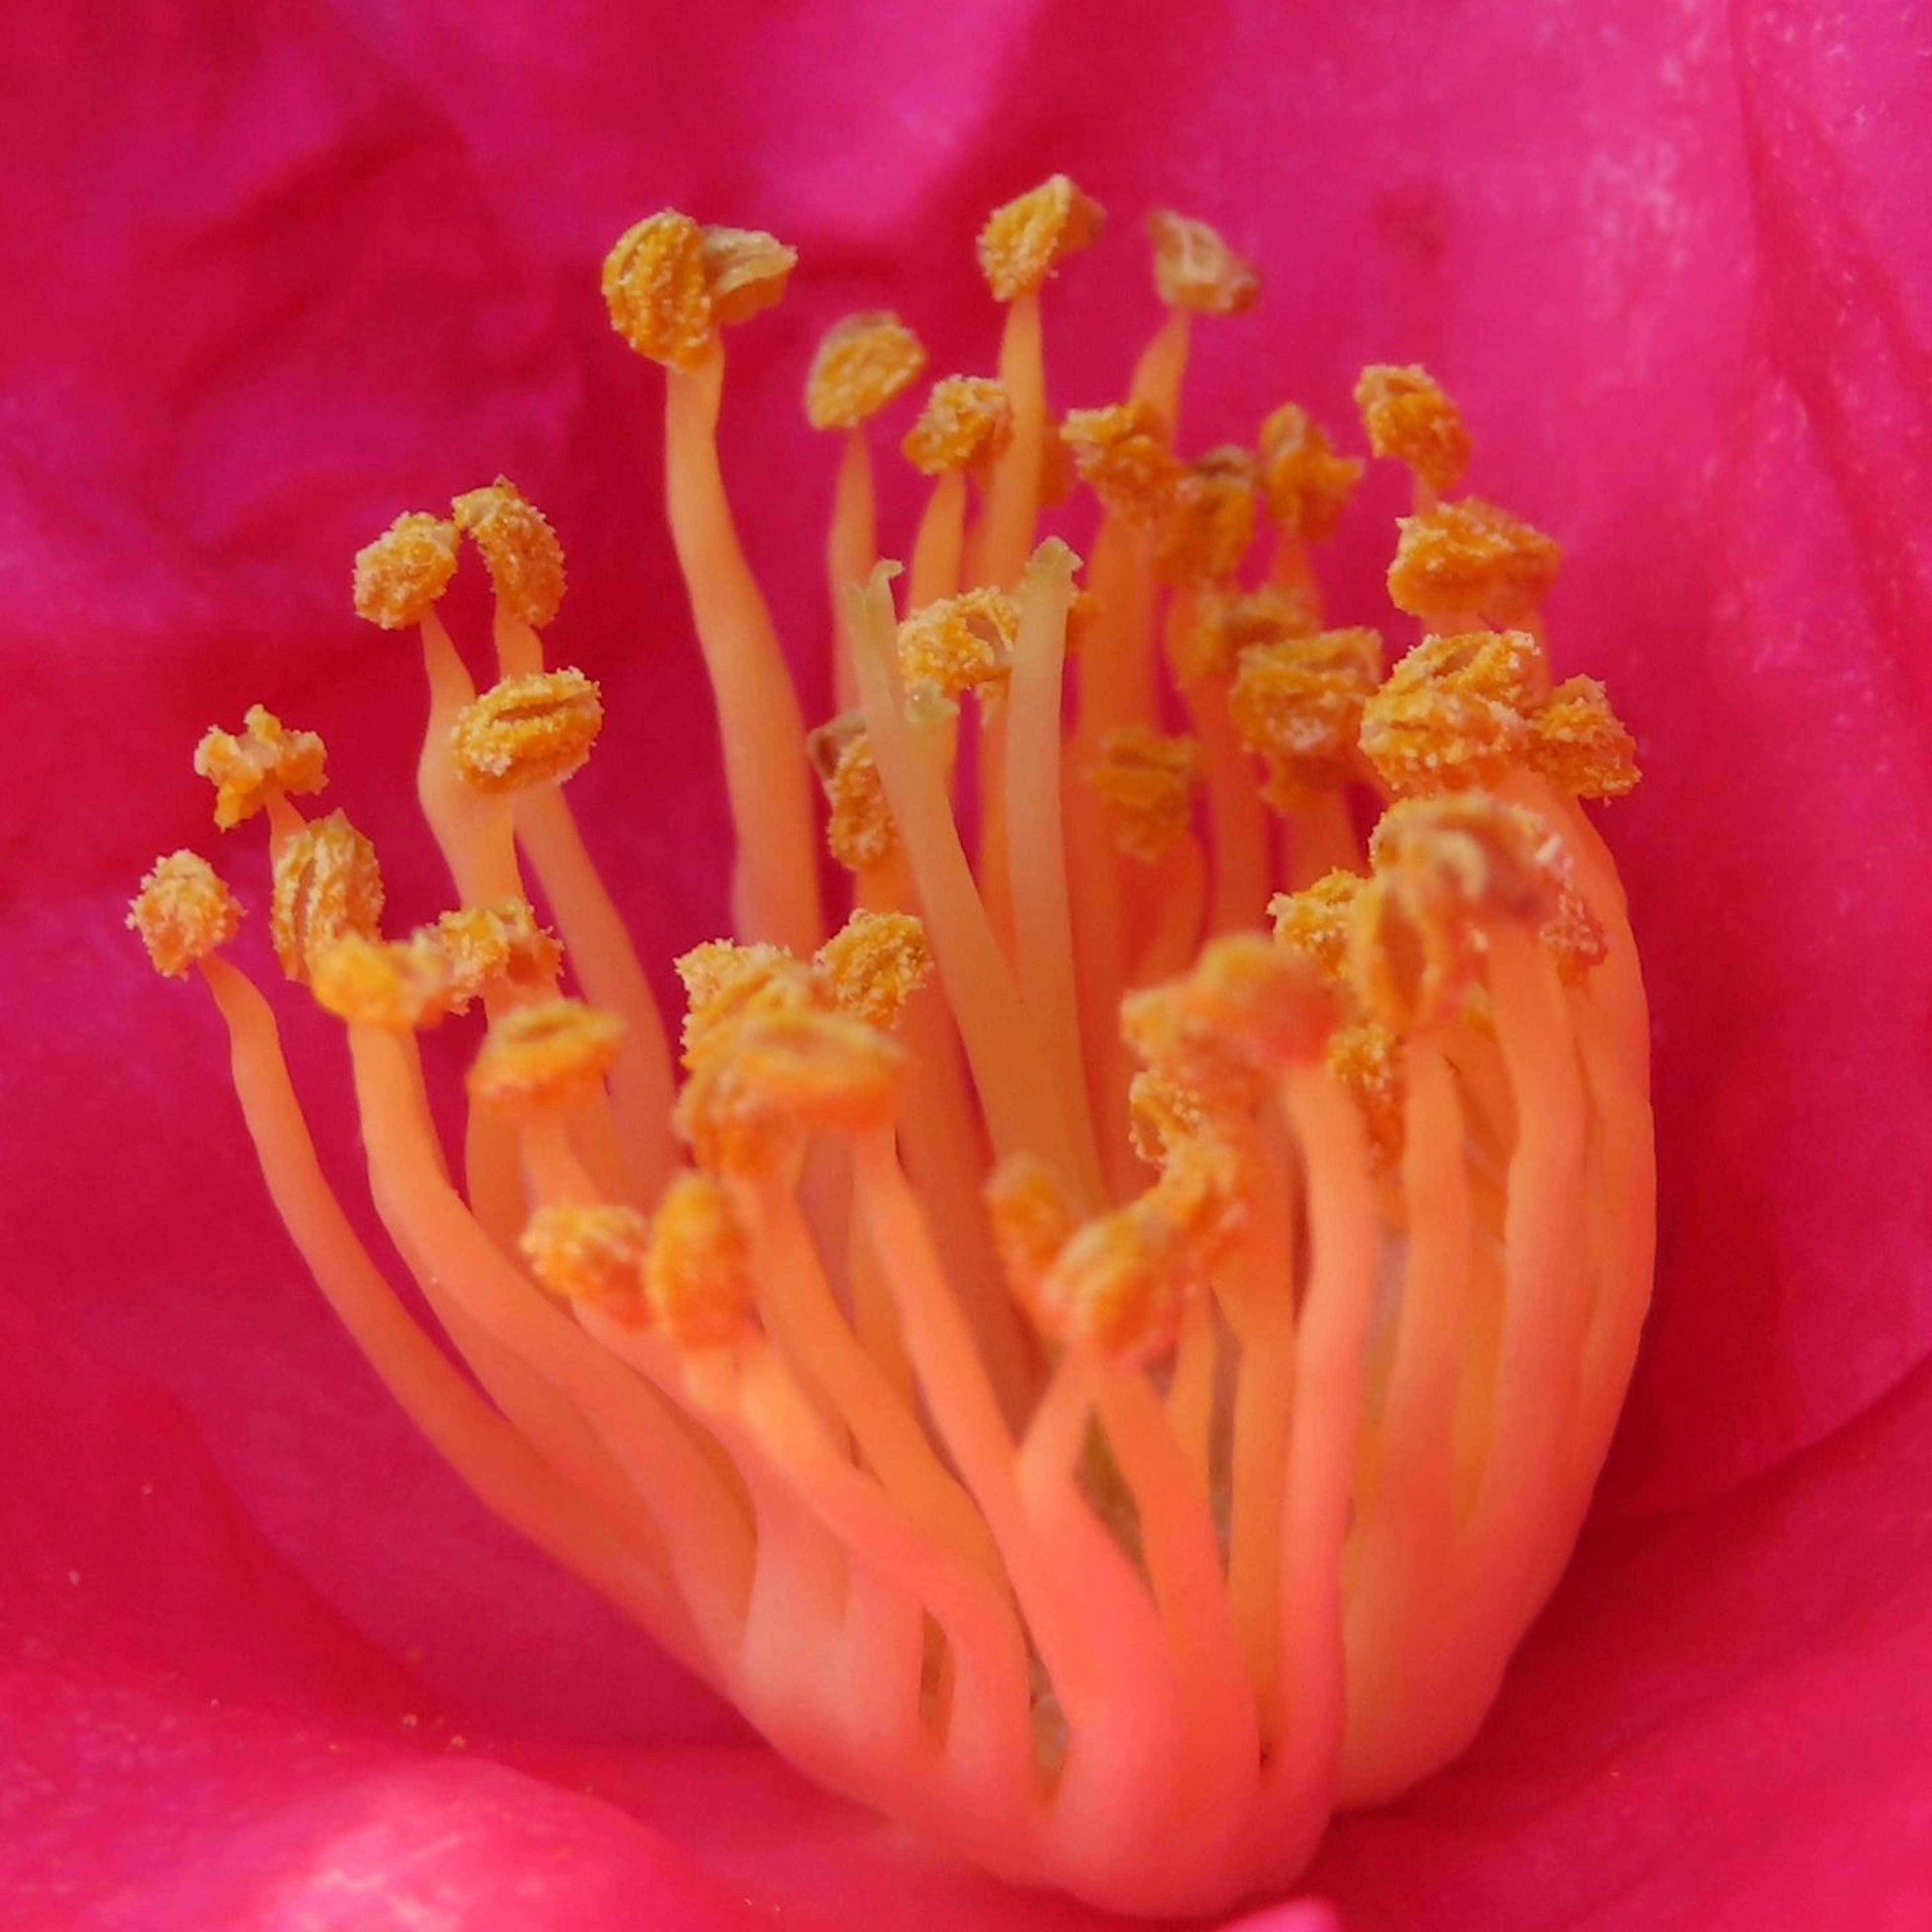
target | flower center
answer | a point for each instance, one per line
(1101, 1381)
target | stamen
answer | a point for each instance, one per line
(593, 1253)
(328, 885)
(967, 422)
(1121, 454)
(531, 730)
(1027, 239)
(862, 363)
(1146, 782)
(525, 560)
(393, 986)
(1580, 744)
(401, 577)
(550, 1054)
(1307, 484)
(1407, 416)
(859, 831)
(1194, 268)
(1471, 559)
(874, 964)
(265, 762)
(1299, 704)
(1454, 712)
(697, 1283)
(183, 913)
(1210, 519)
(960, 644)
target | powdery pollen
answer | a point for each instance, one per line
(858, 829)
(589, 1252)
(874, 964)
(862, 363)
(1025, 239)
(264, 761)
(525, 560)
(549, 1054)
(327, 885)
(401, 577)
(183, 912)
(1307, 484)
(537, 729)
(1407, 415)
(1146, 779)
(697, 1281)
(1471, 559)
(1121, 452)
(967, 422)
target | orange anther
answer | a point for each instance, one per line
(183, 912)
(1407, 416)
(264, 760)
(534, 730)
(1195, 268)
(525, 560)
(328, 885)
(862, 363)
(400, 576)
(1027, 239)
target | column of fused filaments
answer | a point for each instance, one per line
(1111, 1529)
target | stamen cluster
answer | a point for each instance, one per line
(1100, 1380)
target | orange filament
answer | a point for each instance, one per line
(1103, 1383)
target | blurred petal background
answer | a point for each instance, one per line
(275, 271)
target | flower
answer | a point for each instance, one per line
(184, 469)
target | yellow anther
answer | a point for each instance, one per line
(1210, 521)
(589, 1253)
(1298, 703)
(525, 560)
(658, 291)
(859, 830)
(1454, 712)
(1247, 994)
(960, 644)
(1227, 622)
(1165, 1110)
(1195, 268)
(400, 576)
(1307, 485)
(1119, 1286)
(1573, 933)
(1203, 1189)
(862, 363)
(328, 885)
(697, 1277)
(1031, 1222)
(549, 1054)
(1122, 454)
(727, 982)
(1471, 559)
(1366, 1059)
(1580, 744)
(874, 964)
(671, 284)
(1407, 416)
(394, 985)
(1025, 240)
(483, 947)
(1444, 868)
(967, 421)
(1315, 922)
(724, 982)
(183, 912)
(534, 730)
(824, 1069)
(765, 1080)
(264, 760)
(747, 271)
(1146, 780)
(1216, 1033)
